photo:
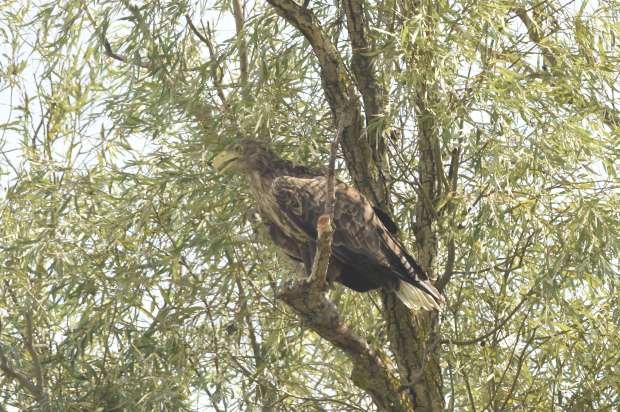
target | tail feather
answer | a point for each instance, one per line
(417, 298)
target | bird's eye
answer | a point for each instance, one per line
(238, 149)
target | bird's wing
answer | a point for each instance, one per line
(279, 238)
(360, 238)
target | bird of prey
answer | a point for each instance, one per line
(366, 252)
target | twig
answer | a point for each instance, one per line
(36, 389)
(215, 69)
(325, 231)
(238, 11)
(106, 44)
(331, 194)
(15, 374)
(109, 52)
(496, 328)
(35, 356)
(449, 271)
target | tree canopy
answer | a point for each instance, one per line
(133, 277)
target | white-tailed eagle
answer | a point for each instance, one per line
(366, 252)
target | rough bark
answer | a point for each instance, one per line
(370, 371)
(412, 337)
(340, 94)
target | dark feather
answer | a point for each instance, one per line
(366, 252)
(369, 251)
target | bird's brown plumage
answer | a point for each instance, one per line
(366, 252)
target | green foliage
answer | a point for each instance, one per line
(147, 280)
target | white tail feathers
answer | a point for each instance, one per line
(415, 298)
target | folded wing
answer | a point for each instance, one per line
(362, 242)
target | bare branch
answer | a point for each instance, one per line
(325, 230)
(238, 11)
(331, 172)
(342, 100)
(369, 371)
(216, 71)
(320, 264)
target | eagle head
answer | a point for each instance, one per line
(244, 156)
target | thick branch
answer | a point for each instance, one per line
(369, 372)
(362, 64)
(343, 102)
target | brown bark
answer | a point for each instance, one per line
(370, 372)
(412, 337)
(340, 95)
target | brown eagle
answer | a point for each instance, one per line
(366, 253)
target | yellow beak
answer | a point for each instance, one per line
(224, 160)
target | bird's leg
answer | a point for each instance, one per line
(307, 256)
(333, 271)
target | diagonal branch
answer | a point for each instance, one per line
(216, 70)
(344, 104)
(370, 373)
(12, 373)
(37, 388)
(609, 115)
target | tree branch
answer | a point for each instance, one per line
(307, 299)
(609, 115)
(325, 230)
(29, 339)
(496, 328)
(216, 71)
(342, 100)
(369, 370)
(371, 89)
(36, 389)
(362, 64)
(535, 34)
(17, 375)
(238, 11)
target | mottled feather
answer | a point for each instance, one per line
(361, 239)
(367, 253)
